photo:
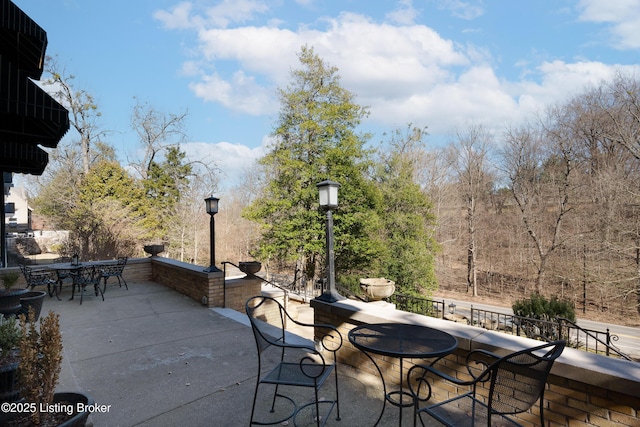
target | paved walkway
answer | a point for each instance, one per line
(159, 358)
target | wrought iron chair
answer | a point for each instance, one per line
(283, 362)
(114, 270)
(39, 278)
(62, 275)
(514, 382)
(85, 277)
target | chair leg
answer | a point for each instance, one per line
(97, 289)
(255, 397)
(315, 389)
(335, 368)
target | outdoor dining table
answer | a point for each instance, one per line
(73, 269)
(401, 341)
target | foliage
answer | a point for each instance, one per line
(10, 278)
(316, 140)
(40, 361)
(10, 335)
(407, 217)
(538, 307)
(101, 212)
(165, 182)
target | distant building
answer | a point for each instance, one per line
(17, 215)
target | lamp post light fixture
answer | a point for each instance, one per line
(212, 210)
(328, 191)
(452, 308)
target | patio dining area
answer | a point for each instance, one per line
(154, 357)
(177, 347)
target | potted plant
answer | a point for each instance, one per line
(32, 300)
(10, 335)
(9, 297)
(40, 348)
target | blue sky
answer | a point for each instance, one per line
(443, 64)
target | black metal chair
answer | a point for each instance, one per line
(514, 382)
(84, 277)
(283, 362)
(39, 278)
(114, 270)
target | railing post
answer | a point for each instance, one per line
(608, 341)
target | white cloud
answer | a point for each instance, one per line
(405, 73)
(233, 160)
(241, 93)
(178, 18)
(622, 15)
(467, 10)
(221, 15)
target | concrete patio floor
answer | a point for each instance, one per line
(158, 358)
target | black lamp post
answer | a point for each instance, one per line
(329, 200)
(212, 210)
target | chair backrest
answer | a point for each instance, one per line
(122, 261)
(518, 379)
(267, 317)
(86, 275)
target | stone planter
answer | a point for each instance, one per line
(250, 268)
(10, 300)
(79, 419)
(32, 299)
(153, 250)
(378, 288)
(8, 377)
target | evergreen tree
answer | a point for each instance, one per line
(316, 139)
(408, 217)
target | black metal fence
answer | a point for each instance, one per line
(411, 304)
(600, 342)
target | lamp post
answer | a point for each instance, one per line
(328, 191)
(212, 209)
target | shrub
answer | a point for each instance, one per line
(538, 307)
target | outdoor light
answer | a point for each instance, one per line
(328, 191)
(328, 194)
(452, 308)
(212, 205)
(212, 210)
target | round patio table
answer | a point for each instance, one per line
(401, 341)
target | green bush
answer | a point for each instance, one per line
(10, 335)
(538, 307)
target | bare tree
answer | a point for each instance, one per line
(469, 156)
(83, 111)
(539, 173)
(156, 132)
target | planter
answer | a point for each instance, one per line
(32, 299)
(249, 268)
(80, 418)
(378, 288)
(10, 300)
(154, 250)
(8, 375)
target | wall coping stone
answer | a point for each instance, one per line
(610, 373)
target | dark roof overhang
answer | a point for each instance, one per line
(23, 42)
(27, 113)
(29, 117)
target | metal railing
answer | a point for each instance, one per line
(600, 342)
(425, 306)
